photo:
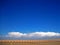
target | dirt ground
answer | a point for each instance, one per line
(29, 42)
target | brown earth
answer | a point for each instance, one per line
(30, 42)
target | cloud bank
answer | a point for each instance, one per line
(33, 35)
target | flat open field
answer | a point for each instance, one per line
(29, 42)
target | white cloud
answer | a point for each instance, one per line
(33, 35)
(15, 34)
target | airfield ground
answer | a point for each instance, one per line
(29, 42)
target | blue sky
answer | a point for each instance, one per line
(29, 16)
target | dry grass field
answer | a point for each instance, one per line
(29, 42)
